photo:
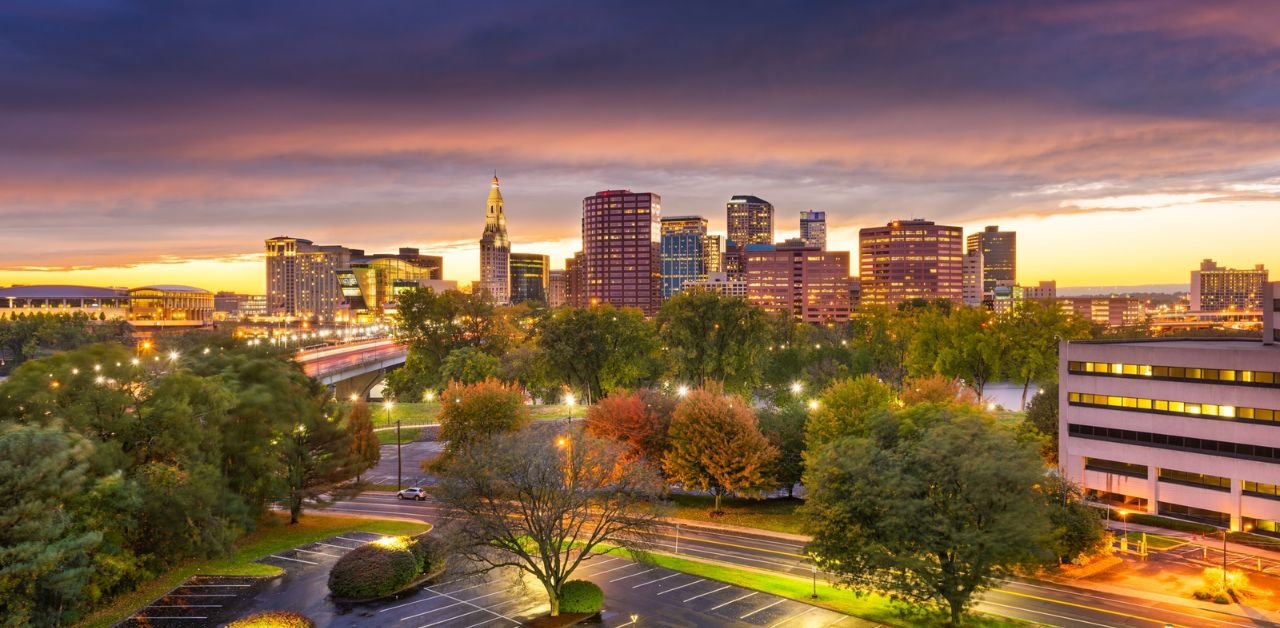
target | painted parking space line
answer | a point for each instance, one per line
(737, 599)
(762, 608)
(447, 606)
(299, 549)
(634, 575)
(707, 593)
(602, 564)
(615, 569)
(343, 547)
(296, 560)
(479, 609)
(435, 595)
(794, 617)
(683, 586)
(658, 580)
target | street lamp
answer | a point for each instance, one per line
(682, 390)
(796, 387)
(388, 405)
(1124, 526)
(813, 404)
(568, 401)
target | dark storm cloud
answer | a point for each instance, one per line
(172, 123)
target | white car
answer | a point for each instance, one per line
(413, 492)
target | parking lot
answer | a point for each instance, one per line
(635, 594)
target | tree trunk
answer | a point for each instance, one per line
(295, 509)
(1025, 385)
(716, 510)
(957, 609)
(553, 597)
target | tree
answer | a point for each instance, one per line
(634, 419)
(545, 508)
(784, 426)
(44, 554)
(717, 447)
(600, 349)
(935, 389)
(933, 519)
(318, 458)
(468, 365)
(713, 338)
(472, 413)
(364, 442)
(1042, 416)
(1077, 528)
(975, 348)
(844, 408)
(883, 338)
(435, 324)
(1034, 329)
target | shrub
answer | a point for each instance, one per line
(374, 569)
(1221, 599)
(580, 596)
(426, 553)
(1169, 523)
(273, 619)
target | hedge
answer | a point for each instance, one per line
(580, 596)
(374, 569)
(273, 619)
(425, 553)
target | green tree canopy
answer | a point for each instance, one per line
(713, 338)
(932, 519)
(468, 365)
(844, 409)
(600, 349)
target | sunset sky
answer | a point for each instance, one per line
(150, 142)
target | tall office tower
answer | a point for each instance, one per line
(801, 281)
(911, 259)
(372, 284)
(813, 229)
(530, 274)
(495, 249)
(999, 255)
(302, 279)
(557, 288)
(1176, 427)
(575, 271)
(713, 253)
(972, 290)
(683, 252)
(732, 264)
(1216, 288)
(622, 242)
(750, 220)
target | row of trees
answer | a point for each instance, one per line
(917, 493)
(700, 337)
(28, 336)
(117, 465)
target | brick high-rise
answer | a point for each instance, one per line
(911, 259)
(749, 220)
(621, 246)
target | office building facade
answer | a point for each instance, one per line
(495, 249)
(530, 277)
(720, 283)
(1108, 311)
(999, 256)
(800, 281)
(749, 220)
(683, 252)
(1216, 288)
(557, 288)
(621, 238)
(972, 292)
(911, 259)
(1183, 428)
(98, 303)
(713, 253)
(302, 279)
(372, 283)
(813, 229)
(170, 306)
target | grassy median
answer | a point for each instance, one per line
(778, 515)
(273, 535)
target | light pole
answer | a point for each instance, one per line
(1124, 527)
(388, 405)
(568, 401)
(677, 537)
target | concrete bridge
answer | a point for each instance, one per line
(353, 368)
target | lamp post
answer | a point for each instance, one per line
(677, 537)
(568, 401)
(388, 405)
(1124, 527)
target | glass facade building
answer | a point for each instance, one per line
(749, 220)
(530, 277)
(683, 252)
(813, 229)
(999, 256)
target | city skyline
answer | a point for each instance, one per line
(1085, 128)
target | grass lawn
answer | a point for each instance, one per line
(407, 435)
(274, 534)
(778, 515)
(868, 606)
(1157, 542)
(425, 413)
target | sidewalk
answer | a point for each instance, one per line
(1211, 542)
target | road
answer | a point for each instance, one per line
(1029, 600)
(1037, 601)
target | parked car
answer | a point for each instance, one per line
(413, 492)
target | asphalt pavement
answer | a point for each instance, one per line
(1041, 602)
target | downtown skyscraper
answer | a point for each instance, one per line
(749, 220)
(911, 259)
(495, 249)
(622, 249)
(999, 256)
(684, 254)
(813, 229)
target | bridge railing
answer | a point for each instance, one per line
(334, 364)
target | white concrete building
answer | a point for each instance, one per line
(1182, 428)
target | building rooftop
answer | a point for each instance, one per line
(1187, 343)
(173, 288)
(61, 292)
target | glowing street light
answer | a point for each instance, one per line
(682, 390)
(813, 404)
(429, 396)
(796, 387)
(173, 356)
